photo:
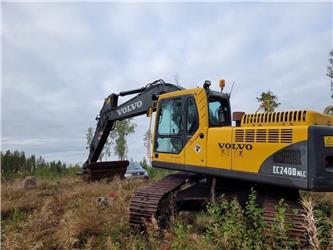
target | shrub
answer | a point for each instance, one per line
(231, 227)
(227, 226)
(157, 174)
(254, 222)
(279, 230)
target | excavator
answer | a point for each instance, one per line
(215, 152)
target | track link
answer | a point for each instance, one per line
(145, 203)
(294, 215)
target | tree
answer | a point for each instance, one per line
(31, 164)
(147, 141)
(106, 152)
(6, 163)
(144, 163)
(330, 70)
(119, 134)
(89, 136)
(16, 163)
(268, 101)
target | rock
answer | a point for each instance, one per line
(29, 182)
(102, 201)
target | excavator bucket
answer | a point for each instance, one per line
(105, 170)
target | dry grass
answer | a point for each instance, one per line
(315, 223)
(322, 197)
(310, 220)
(64, 214)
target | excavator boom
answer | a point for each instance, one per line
(110, 113)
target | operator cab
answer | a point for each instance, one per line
(183, 118)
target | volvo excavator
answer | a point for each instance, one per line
(276, 153)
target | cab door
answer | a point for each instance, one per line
(169, 135)
(195, 139)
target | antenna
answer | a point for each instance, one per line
(232, 87)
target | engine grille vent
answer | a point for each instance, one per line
(275, 117)
(288, 157)
(261, 135)
(286, 135)
(249, 135)
(264, 135)
(239, 135)
(273, 135)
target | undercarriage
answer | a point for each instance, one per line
(192, 192)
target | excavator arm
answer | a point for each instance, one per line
(110, 113)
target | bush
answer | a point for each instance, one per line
(157, 173)
(232, 227)
(255, 223)
(227, 228)
(181, 233)
(280, 229)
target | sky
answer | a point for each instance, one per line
(60, 60)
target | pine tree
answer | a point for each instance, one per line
(268, 101)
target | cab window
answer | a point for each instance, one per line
(192, 117)
(169, 132)
(218, 113)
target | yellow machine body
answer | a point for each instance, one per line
(271, 148)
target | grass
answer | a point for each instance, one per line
(319, 218)
(63, 214)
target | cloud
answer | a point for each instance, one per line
(60, 60)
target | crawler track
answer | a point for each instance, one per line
(150, 201)
(294, 215)
(145, 203)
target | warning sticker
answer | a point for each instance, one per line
(197, 148)
(328, 140)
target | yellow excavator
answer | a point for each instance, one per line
(277, 153)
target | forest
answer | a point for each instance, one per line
(15, 164)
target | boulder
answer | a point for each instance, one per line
(29, 182)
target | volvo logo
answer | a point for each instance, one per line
(238, 146)
(129, 108)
